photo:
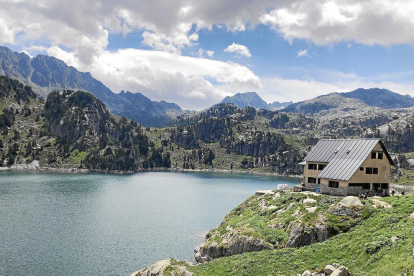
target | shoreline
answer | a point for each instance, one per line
(34, 166)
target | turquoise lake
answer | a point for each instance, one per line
(101, 224)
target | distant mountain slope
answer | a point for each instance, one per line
(279, 105)
(378, 97)
(354, 100)
(246, 99)
(252, 99)
(325, 103)
(46, 74)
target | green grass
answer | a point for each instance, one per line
(78, 156)
(272, 224)
(366, 249)
(2, 105)
(407, 178)
(41, 122)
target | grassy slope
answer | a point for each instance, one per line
(23, 124)
(366, 249)
(251, 219)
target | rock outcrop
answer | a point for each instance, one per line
(229, 246)
(330, 270)
(70, 114)
(158, 269)
(348, 206)
(288, 220)
(302, 235)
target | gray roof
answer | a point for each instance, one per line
(344, 156)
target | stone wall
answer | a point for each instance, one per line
(356, 191)
(311, 186)
(340, 191)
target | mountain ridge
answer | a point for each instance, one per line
(46, 74)
(252, 99)
(354, 100)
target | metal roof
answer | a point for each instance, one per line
(344, 156)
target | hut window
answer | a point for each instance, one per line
(355, 185)
(371, 171)
(333, 184)
(312, 166)
(373, 155)
(366, 186)
(361, 169)
(321, 167)
(311, 180)
(380, 155)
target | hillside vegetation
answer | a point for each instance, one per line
(71, 130)
(75, 130)
(377, 239)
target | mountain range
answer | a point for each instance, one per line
(46, 74)
(359, 99)
(252, 99)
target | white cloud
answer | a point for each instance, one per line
(35, 48)
(193, 37)
(69, 58)
(6, 32)
(303, 53)
(286, 89)
(201, 53)
(27, 53)
(82, 28)
(166, 76)
(172, 25)
(158, 42)
(238, 49)
(384, 22)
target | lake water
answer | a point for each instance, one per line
(100, 224)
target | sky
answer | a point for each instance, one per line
(194, 53)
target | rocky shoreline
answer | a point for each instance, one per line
(35, 166)
(299, 234)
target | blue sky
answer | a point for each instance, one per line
(284, 50)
